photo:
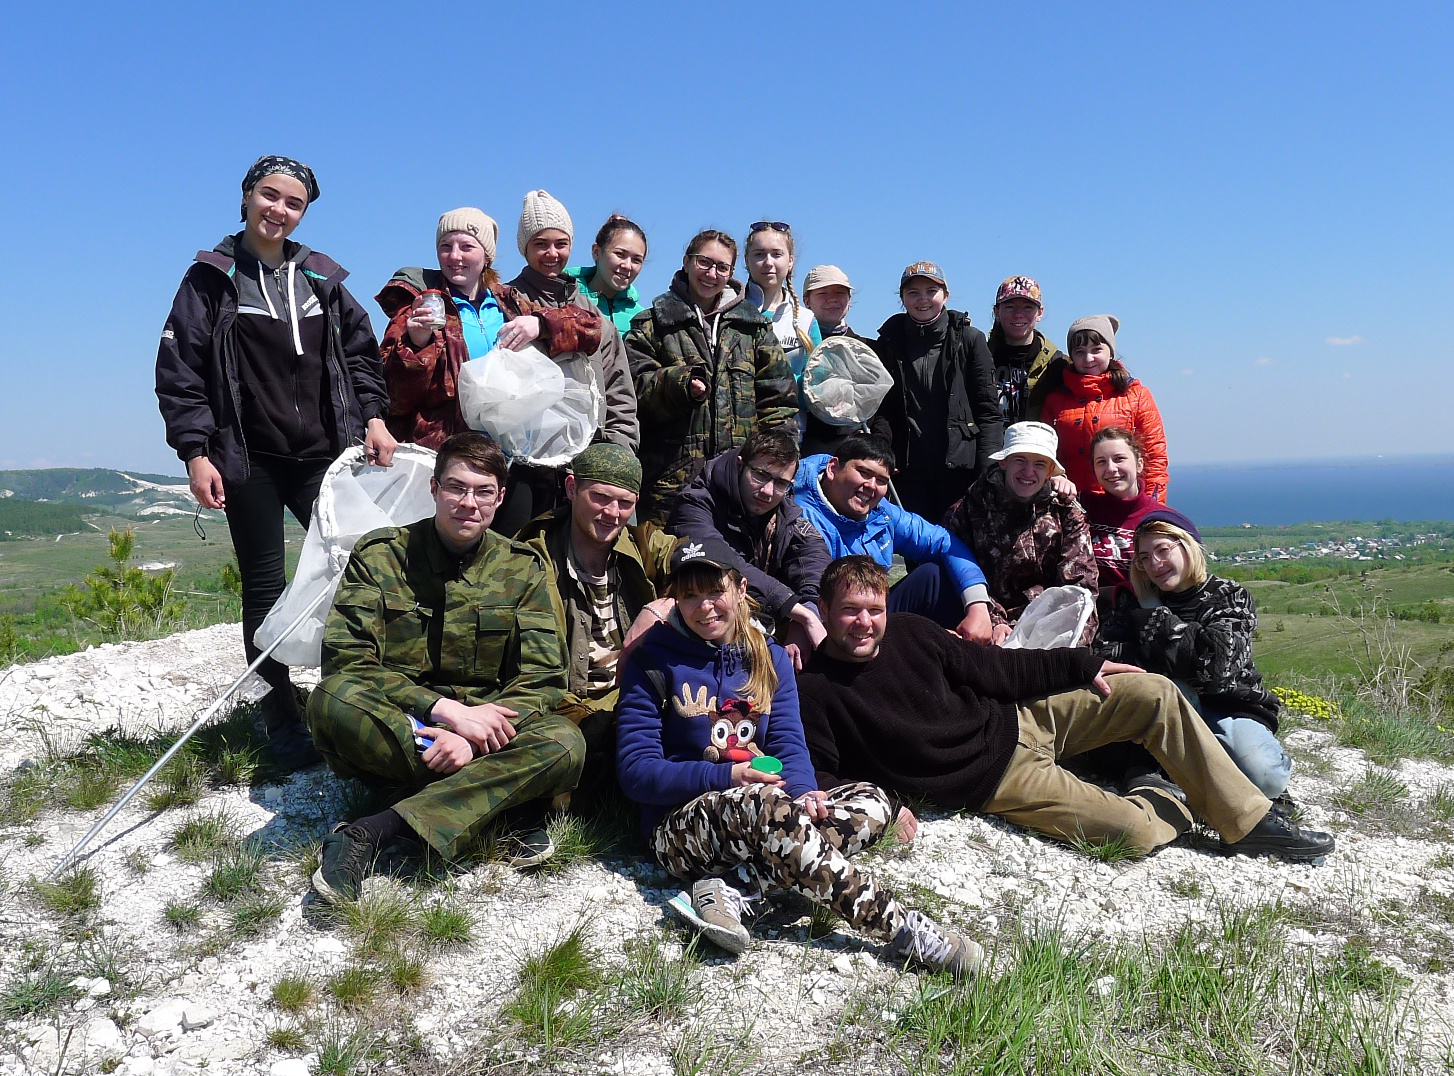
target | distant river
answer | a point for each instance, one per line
(1409, 488)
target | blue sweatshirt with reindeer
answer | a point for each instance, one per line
(682, 721)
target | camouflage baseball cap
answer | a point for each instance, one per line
(609, 463)
(924, 269)
(1019, 287)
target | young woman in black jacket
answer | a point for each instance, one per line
(267, 370)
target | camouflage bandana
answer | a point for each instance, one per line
(612, 464)
(281, 166)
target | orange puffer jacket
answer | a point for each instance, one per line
(1084, 405)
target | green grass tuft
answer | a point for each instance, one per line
(1376, 792)
(35, 991)
(550, 1004)
(355, 985)
(404, 973)
(181, 915)
(255, 913)
(203, 836)
(446, 925)
(293, 993)
(656, 984)
(179, 784)
(75, 894)
(379, 918)
(288, 1039)
(1106, 849)
(237, 873)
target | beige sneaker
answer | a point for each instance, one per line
(715, 909)
(925, 942)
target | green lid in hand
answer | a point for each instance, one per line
(767, 764)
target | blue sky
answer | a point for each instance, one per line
(1260, 192)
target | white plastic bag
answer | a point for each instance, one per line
(540, 410)
(355, 498)
(844, 382)
(1055, 618)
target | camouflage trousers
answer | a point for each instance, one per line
(361, 734)
(759, 832)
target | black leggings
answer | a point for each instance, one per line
(255, 518)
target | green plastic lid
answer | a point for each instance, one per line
(767, 764)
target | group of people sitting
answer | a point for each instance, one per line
(695, 614)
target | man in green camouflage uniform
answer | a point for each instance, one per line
(442, 671)
(607, 582)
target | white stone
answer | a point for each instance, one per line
(161, 1019)
(39, 1032)
(138, 1066)
(843, 964)
(99, 988)
(328, 945)
(195, 1016)
(80, 983)
(289, 1066)
(1106, 985)
(103, 1036)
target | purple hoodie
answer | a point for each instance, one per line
(670, 752)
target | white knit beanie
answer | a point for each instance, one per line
(474, 223)
(540, 212)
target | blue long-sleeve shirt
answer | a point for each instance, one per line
(887, 530)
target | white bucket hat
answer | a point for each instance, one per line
(1032, 439)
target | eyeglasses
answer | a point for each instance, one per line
(707, 265)
(764, 479)
(1157, 554)
(458, 491)
(774, 225)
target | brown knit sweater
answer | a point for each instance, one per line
(931, 716)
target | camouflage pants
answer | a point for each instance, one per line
(759, 831)
(361, 734)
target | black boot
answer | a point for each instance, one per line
(288, 737)
(1277, 835)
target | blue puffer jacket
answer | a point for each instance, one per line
(887, 530)
(679, 738)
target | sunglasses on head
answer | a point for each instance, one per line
(774, 225)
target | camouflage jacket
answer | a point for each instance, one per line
(416, 622)
(642, 559)
(749, 384)
(1025, 546)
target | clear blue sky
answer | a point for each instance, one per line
(1261, 192)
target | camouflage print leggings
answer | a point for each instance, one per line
(758, 831)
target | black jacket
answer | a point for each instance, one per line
(197, 368)
(785, 557)
(975, 425)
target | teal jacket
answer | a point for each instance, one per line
(620, 310)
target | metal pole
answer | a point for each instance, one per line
(167, 757)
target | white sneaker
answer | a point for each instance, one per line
(925, 942)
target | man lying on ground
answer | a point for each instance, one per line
(900, 702)
(441, 674)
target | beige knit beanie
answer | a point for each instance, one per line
(472, 222)
(540, 212)
(1105, 325)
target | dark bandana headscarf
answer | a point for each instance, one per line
(281, 166)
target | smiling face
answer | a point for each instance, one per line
(1164, 561)
(769, 261)
(462, 260)
(856, 620)
(1025, 474)
(829, 303)
(708, 271)
(599, 510)
(621, 259)
(1118, 469)
(465, 503)
(548, 252)
(855, 488)
(764, 483)
(274, 207)
(1091, 359)
(710, 610)
(1017, 317)
(923, 298)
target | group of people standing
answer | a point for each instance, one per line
(696, 610)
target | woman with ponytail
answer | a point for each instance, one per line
(711, 747)
(770, 255)
(609, 281)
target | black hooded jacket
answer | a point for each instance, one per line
(198, 372)
(784, 552)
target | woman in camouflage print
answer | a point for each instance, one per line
(711, 747)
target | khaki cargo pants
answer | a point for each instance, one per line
(1038, 793)
(361, 734)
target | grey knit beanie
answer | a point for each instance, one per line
(1104, 325)
(472, 222)
(540, 212)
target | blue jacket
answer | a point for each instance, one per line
(887, 530)
(671, 750)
